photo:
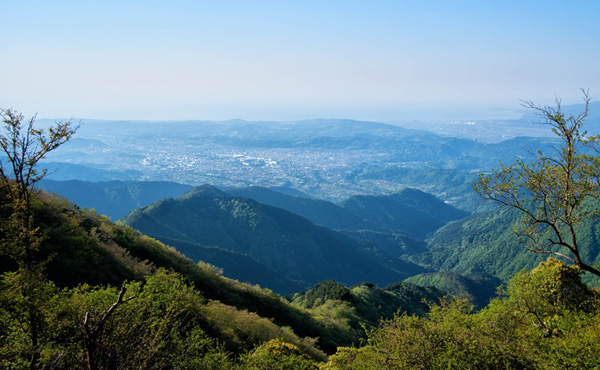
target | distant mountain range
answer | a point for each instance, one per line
(409, 212)
(330, 159)
(319, 212)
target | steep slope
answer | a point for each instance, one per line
(485, 243)
(287, 243)
(364, 305)
(410, 211)
(88, 248)
(395, 245)
(479, 289)
(114, 199)
(237, 266)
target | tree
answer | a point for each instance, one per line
(92, 331)
(25, 146)
(557, 191)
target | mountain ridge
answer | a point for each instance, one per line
(283, 241)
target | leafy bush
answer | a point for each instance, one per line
(277, 354)
(547, 320)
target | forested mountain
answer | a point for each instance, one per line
(319, 212)
(486, 243)
(410, 211)
(356, 304)
(285, 242)
(238, 266)
(478, 289)
(87, 248)
(394, 244)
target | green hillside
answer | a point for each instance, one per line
(486, 243)
(393, 244)
(478, 289)
(237, 266)
(288, 244)
(410, 211)
(88, 248)
(319, 212)
(364, 305)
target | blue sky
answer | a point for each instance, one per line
(287, 60)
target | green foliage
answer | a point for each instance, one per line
(160, 326)
(284, 242)
(324, 291)
(478, 289)
(547, 320)
(485, 244)
(163, 322)
(27, 304)
(410, 212)
(557, 192)
(23, 146)
(362, 306)
(550, 290)
(277, 354)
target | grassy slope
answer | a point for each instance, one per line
(87, 248)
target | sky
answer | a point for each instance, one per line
(291, 60)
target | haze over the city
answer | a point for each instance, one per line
(290, 60)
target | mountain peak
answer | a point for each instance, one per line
(205, 190)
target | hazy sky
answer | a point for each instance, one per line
(287, 60)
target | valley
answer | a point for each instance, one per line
(327, 159)
(349, 181)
